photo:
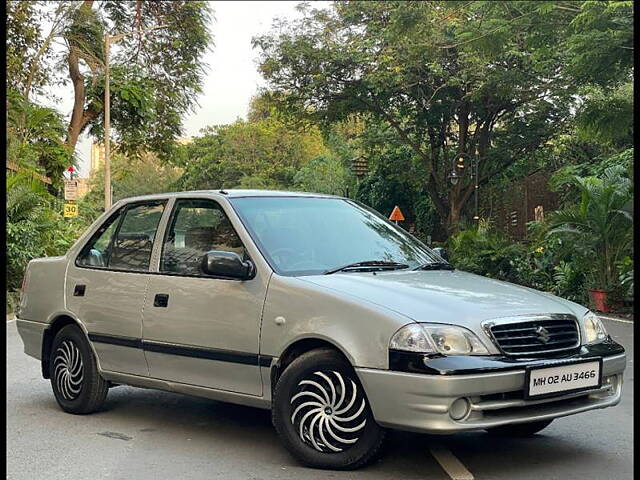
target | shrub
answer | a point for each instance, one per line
(485, 251)
(600, 225)
(35, 226)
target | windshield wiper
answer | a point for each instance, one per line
(435, 266)
(368, 265)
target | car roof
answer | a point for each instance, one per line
(229, 193)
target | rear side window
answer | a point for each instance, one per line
(197, 226)
(127, 241)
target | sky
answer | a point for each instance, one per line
(232, 77)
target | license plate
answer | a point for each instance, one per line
(562, 379)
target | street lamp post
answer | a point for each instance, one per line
(108, 40)
(457, 163)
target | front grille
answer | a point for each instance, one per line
(537, 336)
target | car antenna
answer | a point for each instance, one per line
(223, 192)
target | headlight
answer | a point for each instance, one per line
(593, 328)
(437, 338)
(411, 338)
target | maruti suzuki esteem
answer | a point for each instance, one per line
(315, 307)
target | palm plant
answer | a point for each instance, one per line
(29, 223)
(601, 224)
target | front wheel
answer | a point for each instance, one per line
(519, 429)
(76, 383)
(322, 415)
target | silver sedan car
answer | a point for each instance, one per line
(315, 307)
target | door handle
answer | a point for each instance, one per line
(78, 290)
(161, 300)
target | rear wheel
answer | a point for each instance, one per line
(322, 415)
(76, 383)
(519, 429)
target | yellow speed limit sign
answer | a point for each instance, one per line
(70, 210)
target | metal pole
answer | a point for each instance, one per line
(477, 217)
(107, 129)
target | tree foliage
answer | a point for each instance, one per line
(601, 222)
(130, 176)
(484, 78)
(156, 64)
(600, 44)
(35, 227)
(446, 77)
(262, 154)
(35, 138)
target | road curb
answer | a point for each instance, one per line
(615, 319)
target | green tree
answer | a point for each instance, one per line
(156, 68)
(446, 77)
(323, 174)
(131, 176)
(606, 116)
(600, 43)
(262, 154)
(156, 76)
(29, 66)
(35, 138)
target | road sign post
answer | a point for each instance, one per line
(70, 210)
(396, 215)
(71, 190)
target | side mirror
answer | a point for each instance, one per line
(227, 264)
(442, 252)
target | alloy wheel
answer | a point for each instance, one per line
(328, 411)
(68, 370)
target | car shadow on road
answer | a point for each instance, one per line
(167, 419)
(234, 428)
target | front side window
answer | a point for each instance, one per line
(197, 227)
(309, 236)
(125, 241)
(96, 252)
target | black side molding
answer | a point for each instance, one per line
(230, 356)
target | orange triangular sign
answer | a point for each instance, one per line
(396, 215)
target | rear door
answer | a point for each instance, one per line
(107, 283)
(201, 330)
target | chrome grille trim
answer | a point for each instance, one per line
(561, 329)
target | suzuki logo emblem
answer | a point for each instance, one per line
(543, 334)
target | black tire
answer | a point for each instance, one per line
(364, 438)
(519, 429)
(76, 383)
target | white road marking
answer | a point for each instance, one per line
(450, 463)
(615, 319)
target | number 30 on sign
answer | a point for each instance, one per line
(70, 210)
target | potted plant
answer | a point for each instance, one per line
(600, 225)
(598, 292)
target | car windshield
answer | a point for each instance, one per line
(312, 235)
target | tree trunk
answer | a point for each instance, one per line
(453, 219)
(78, 117)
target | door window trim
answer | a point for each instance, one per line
(122, 211)
(169, 226)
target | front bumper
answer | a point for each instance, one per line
(494, 388)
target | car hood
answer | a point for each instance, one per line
(445, 296)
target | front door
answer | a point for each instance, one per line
(201, 330)
(107, 283)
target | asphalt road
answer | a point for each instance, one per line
(145, 434)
